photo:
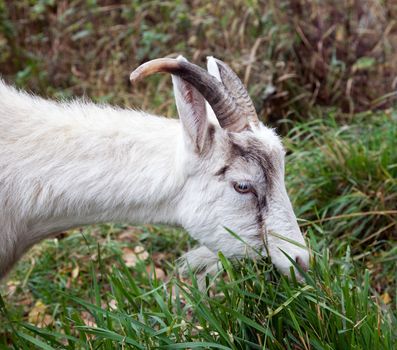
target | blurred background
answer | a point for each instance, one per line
(295, 56)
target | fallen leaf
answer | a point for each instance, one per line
(75, 272)
(113, 304)
(129, 257)
(159, 258)
(130, 234)
(88, 319)
(12, 286)
(141, 252)
(160, 274)
(38, 315)
(386, 298)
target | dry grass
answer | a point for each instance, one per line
(293, 54)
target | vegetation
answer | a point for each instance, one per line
(323, 74)
(293, 54)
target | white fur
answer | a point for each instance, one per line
(64, 165)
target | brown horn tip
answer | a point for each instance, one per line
(154, 66)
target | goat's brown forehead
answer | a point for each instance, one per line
(254, 150)
(251, 152)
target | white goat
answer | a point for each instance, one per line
(64, 165)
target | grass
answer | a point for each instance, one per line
(248, 306)
(324, 75)
(348, 170)
(84, 296)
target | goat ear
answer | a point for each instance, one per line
(192, 113)
(213, 69)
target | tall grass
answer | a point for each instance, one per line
(246, 306)
(350, 179)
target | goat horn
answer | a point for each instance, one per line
(224, 105)
(237, 89)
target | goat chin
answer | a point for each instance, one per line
(200, 261)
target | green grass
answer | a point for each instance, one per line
(345, 178)
(247, 306)
(348, 300)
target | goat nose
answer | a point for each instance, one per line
(302, 263)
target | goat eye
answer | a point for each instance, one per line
(242, 187)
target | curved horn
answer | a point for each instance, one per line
(224, 105)
(237, 89)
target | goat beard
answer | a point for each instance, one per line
(200, 261)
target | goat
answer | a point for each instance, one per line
(64, 165)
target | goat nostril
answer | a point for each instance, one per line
(301, 263)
